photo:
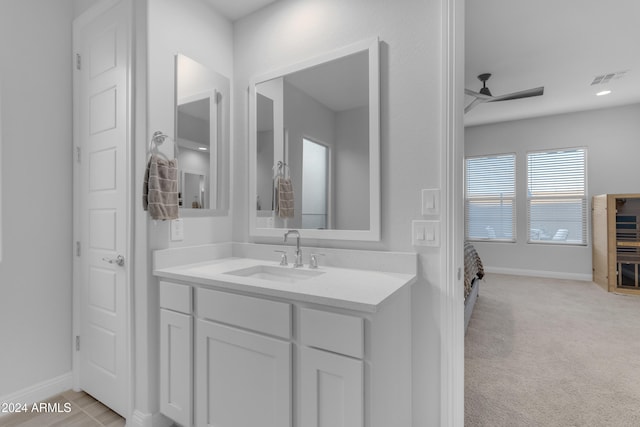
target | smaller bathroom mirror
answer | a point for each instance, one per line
(202, 133)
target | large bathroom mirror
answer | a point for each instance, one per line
(315, 147)
(202, 135)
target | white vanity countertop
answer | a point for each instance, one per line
(353, 289)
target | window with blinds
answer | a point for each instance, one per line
(490, 197)
(557, 196)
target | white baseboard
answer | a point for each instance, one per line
(141, 419)
(41, 391)
(539, 273)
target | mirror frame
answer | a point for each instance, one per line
(373, 233)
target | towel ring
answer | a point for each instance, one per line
(282, 168)
(158, 139)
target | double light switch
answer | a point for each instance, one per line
(427, 232)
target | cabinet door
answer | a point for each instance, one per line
(331, 390)
(176, 366)
(243, 379)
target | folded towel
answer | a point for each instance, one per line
(160, 191)
(284, 197)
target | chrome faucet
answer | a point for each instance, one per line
(298, 261)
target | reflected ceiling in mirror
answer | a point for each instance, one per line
(314, 144)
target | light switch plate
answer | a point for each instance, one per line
(431, 201)
(425, 233)
(177, 229)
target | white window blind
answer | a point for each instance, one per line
(557, 196)
(490, 197)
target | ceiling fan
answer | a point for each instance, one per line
(485, 94)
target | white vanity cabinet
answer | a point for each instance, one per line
(243, 377)
(176, 350)
(279, 362)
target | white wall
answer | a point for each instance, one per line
(611, 137)
(163, 29)
(81, 6)
(289, 31)
(36, 266)
(264, 174)
(195, 29)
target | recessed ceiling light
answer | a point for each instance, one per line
(604, 92)
(202, 148)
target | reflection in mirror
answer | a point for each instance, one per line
(194, 139)
(202, 134)
(264, 174)
(317, 125)
(315, 185)
(194, 190)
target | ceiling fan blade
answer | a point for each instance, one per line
(477, 95)
(473, 104)
(518, 95)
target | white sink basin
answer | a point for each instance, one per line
(276, 274)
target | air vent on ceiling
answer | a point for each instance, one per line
(606, 78)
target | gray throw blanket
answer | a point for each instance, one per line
(160, 191)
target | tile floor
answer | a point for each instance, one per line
(67, 409)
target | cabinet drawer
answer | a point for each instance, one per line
(257, 314)
(339, 333)
(176, 297)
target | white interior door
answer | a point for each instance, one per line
(102, 186)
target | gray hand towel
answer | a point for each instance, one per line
(284, 198)
(160, 191)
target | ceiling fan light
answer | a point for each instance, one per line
(604, 92)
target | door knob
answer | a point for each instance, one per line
(119, 260)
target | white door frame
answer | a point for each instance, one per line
(452, 156)
(87, 17)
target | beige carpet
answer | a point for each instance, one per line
(545, 352)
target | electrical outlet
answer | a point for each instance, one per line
(425, 233)
(431, 201)
(177, 229)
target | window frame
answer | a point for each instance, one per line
(584, 200)
(513, 199)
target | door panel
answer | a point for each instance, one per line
(103, 111)
(103, 187)
(332, 390)
(103, 170)
(176, 366)
(244, 379)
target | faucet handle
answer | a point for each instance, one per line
(283, 258)
(313, 260)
